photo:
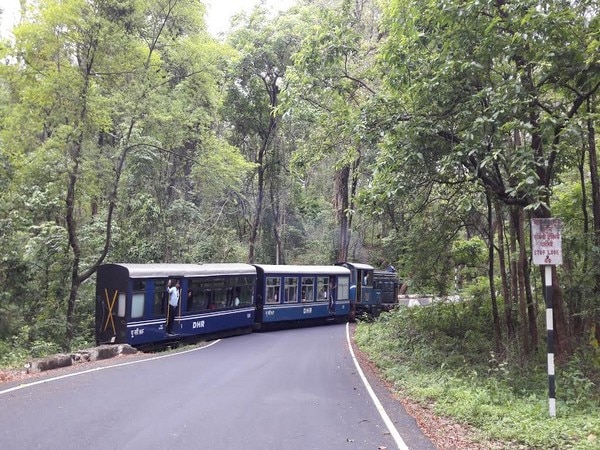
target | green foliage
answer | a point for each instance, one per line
(432, 360)
(579, 380)
(472, 252)
(459, 71)
(12, 356)
(430, 107)
(21, 348)
(91, 85)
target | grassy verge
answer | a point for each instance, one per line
(440, 356)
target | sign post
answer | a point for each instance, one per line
(547, 252)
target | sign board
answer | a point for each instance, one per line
(546, 242)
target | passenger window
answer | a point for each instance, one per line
(137, 299)
(291, 290)
(137, 305)
(367, 278)
(308, 289)
(219, 293)
(121, 305)
(343, 288)
(322, 288)
(160, 298)
(189, 299)
(196, 295)
(205, 296)
(243, 291)
(273, 289)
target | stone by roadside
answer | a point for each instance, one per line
(66, 360)
(81, 356)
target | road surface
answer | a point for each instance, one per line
(285, 390)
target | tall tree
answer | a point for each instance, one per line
(265, 44)
(333, 76)
(475, 74)
(86, 83)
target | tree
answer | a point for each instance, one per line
(485, 101)
(253, 111)
(84, 85)
(333, 77)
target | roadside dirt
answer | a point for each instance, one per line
(445, 433)
(8, 376)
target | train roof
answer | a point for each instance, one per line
(302, 269)
(385, 273)
(160, 270)
(358, 266)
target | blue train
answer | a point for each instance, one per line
(372, 291)
(132, 299)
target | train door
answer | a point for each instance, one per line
(112, 290)
(364, 285)
(171, 316)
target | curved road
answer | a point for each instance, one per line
(284, 390)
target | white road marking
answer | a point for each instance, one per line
(97, 369)
(388, 422)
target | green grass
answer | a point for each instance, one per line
(503, 401)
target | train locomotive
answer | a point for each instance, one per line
(226, 298)
(372, 291)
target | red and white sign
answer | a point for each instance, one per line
(546, 243)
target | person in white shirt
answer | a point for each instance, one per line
(173, 292)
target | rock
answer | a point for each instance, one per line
(82, 356)
(53, 362)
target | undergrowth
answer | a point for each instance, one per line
(21, 349)
(442, 355)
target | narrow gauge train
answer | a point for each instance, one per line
(372, 291)
(131, 300)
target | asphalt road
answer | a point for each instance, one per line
(285, 390)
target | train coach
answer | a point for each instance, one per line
(132, 303)
(301, 295)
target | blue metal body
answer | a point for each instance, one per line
(365, 299)
(131, 302)
(301, 294)
(132, 299)
(386, 285)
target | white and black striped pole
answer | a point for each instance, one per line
(546, 246)
(550, 330)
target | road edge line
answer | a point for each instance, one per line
(386, 419)
(97, 369)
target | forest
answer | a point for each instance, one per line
(423, 134)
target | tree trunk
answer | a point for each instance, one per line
(74, 244)
(495, 315)
(514, 270)
(595, 182)
(506, 291)
(259, 205)
(577, 304)
(531, 310)
(270, 82)
(277, 205)
(341, 208)
(75, 154)
(517, 223)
